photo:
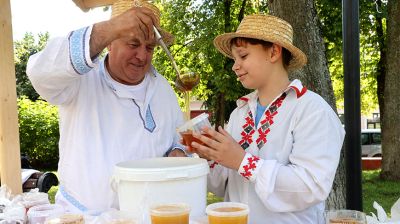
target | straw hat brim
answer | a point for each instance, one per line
(223, 44)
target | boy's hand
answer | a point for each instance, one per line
(221, 148)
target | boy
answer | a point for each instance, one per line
(282, 145)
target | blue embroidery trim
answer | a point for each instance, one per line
(149, 124)
(77, 47)
(153, 71)
(176, 145)
(72, 200)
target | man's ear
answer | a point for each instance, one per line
(275, 52)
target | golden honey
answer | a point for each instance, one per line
(169, 214)
(227, 219)
(344, 221)
(227, 213)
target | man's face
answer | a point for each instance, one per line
(130, 59)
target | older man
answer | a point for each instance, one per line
(111, 110)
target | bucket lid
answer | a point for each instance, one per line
(161, 169)
(169, 209)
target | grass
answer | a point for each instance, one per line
(385, 193)
(52, 193)
(211, 198)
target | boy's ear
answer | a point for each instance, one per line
(275, 53)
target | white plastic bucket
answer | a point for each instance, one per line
(143, 183)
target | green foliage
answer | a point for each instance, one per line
(331, 19)
(23, 50)
(195, 26)
(39, 135)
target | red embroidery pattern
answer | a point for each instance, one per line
(248, 131)
(249, 126)
(247, 137)
(298, 92)
(279, 101)
(249, 121)
(244, 99)
(212, 165)
(262, 135)
(268, 121)
(269, 117)
(250, 166)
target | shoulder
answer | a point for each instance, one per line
(240, 112)
(162, 82)
(164, 89)
(312, 101)
(311, 107)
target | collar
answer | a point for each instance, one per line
(123, 92)
(154, 81)
(298, 87)
(295, 86)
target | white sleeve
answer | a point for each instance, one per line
(55, 71)
(218, 176)
(307, 179)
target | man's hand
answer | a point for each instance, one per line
(135, 22)
(177, 153)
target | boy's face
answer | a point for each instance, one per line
(251, 64)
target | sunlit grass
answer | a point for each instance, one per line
(386, 193)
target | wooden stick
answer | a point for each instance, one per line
(10, 162)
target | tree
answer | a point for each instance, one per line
(391, 106)
(371, 48)
(23, 50)
(195, 26)
(381, 66)
(302, 15)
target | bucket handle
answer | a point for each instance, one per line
(177, 176)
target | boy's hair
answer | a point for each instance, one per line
(243, 41)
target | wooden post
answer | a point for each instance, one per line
(10, 162)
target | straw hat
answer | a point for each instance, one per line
(267, 28)
(120, 6)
